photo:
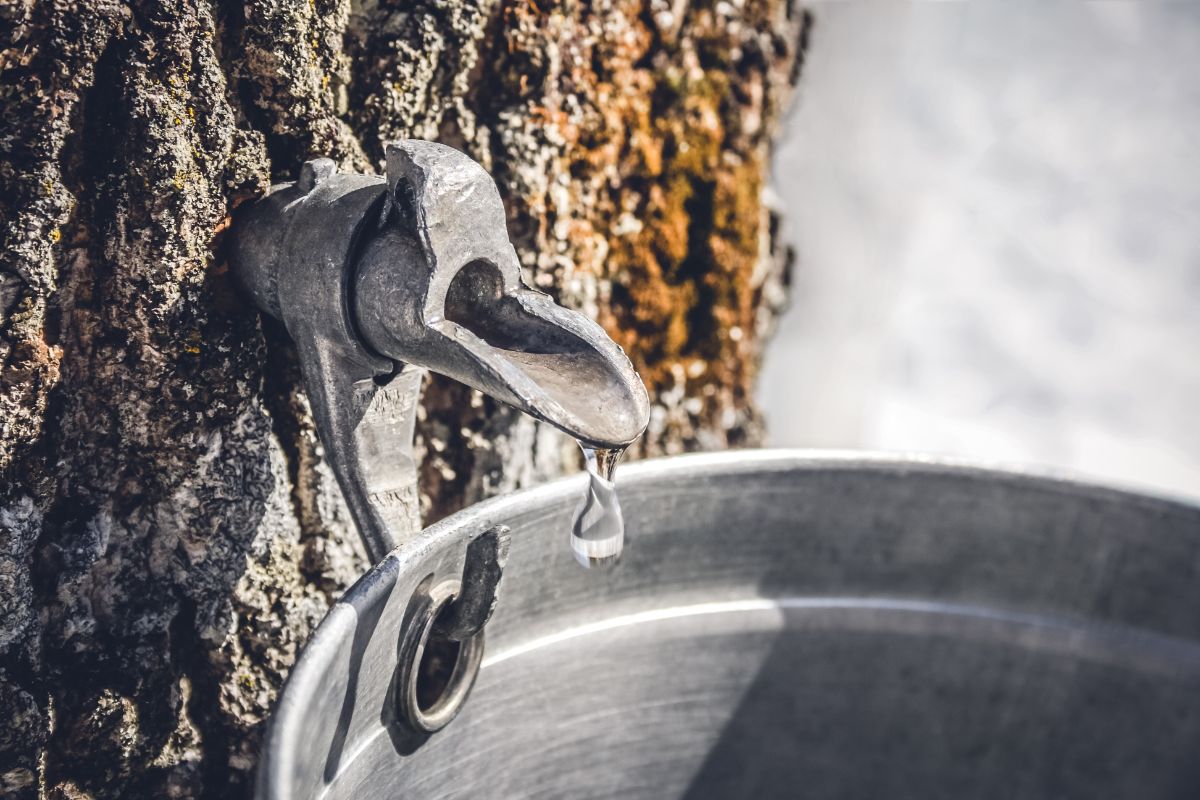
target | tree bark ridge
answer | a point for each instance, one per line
(169, 532)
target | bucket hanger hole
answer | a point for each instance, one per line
(439, 658)
(437, 672)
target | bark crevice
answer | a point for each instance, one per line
(169, 532)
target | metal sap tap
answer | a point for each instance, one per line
(378, 279)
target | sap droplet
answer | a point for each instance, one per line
(598, 530)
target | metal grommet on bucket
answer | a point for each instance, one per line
(436, 671)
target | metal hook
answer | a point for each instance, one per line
(378, 279)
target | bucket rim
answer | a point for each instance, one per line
(278, 748)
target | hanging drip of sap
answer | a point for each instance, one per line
(598, 530)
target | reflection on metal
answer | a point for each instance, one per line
(789, 624)
(378, 279)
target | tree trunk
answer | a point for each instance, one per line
(170, 534)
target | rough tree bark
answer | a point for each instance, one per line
(170, 535)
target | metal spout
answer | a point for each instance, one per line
(379, 279)
(444, 291)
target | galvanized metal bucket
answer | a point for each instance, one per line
(782, 624)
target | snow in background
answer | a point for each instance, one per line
(996, 208)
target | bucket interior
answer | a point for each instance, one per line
(786, 625)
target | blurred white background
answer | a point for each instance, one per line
(996, 208)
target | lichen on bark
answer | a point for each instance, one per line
(169, 532)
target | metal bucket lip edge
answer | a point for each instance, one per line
(495, 509)
(899, 461)
(277, 760)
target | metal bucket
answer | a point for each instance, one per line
(785, 625)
